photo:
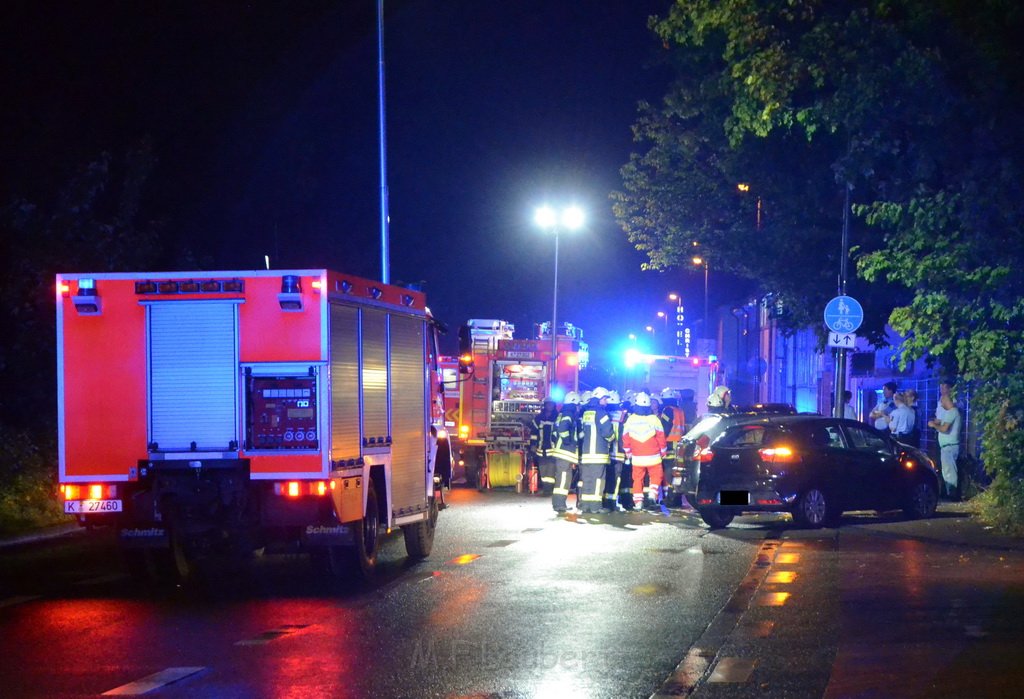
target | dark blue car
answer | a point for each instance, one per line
(811, 466)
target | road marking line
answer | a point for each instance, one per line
(501, 542)
(532, 530)
(268, 636)
(17, 599)
(732, 670)
(155, 681)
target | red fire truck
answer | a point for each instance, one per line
(502, 385)
(207, 413)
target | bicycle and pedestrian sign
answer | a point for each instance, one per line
(843, 314)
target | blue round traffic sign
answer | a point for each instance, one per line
(843, 314)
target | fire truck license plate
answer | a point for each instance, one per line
(89, 506)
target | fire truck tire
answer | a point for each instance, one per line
(171, 566)
(419, 537)
(359, 561)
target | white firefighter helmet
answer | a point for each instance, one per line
(642, 400)
(585, 398)
(668, 393)
(613, 397)
(572, 398)
(629, 395)
(717, 399)
(600, 392)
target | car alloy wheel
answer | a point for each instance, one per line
(813, 509)
(922, 501)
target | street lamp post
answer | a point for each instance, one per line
(570, 219)
(664, 317)
(698, 261)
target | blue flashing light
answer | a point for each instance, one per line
(557, 393)
(632, 357)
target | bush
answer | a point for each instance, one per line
(1002, 505)
(28, 498)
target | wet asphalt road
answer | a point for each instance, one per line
(516, 602)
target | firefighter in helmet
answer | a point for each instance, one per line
(643, 441)
(596, 428)
(613, 475)
(565, 443)
(541, 429)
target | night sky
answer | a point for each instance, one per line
(264, 119)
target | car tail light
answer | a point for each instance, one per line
(703, 455)
(778, 455)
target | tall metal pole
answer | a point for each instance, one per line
(838, 404)
(385, 255)
(706, 335)
(554, 318)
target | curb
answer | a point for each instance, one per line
(40, 535)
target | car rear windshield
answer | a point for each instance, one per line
(702, 426)
(748, 437)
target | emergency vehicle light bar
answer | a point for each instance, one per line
(189, 286)
(87, 300)
(290, 297)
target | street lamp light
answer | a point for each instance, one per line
(548, 218)
(698, 261)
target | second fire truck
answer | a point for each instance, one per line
(503, 382)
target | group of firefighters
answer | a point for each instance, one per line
(605, 448)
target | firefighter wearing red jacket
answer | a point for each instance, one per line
(643, 441)
(565, 438)
(595, 448)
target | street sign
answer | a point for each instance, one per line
(846, 340)
(843, 314)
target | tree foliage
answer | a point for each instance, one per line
(914, 105)
(92, 224)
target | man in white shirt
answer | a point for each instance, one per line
(947, 424)
(885, 406)
(901, 421)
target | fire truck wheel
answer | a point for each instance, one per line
(360, 560)
(419, 537)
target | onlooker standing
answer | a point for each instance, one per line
(848, 412)
(885, 406)
(914, 438)
(901, 420)
(947, 423)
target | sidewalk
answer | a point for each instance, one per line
(954, 524)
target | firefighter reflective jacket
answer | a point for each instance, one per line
(677, 423)
(541, 432)
(566, 436)
(598, 434)
(643, 439)
(618, 416)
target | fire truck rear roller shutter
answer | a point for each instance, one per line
(193, 374)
